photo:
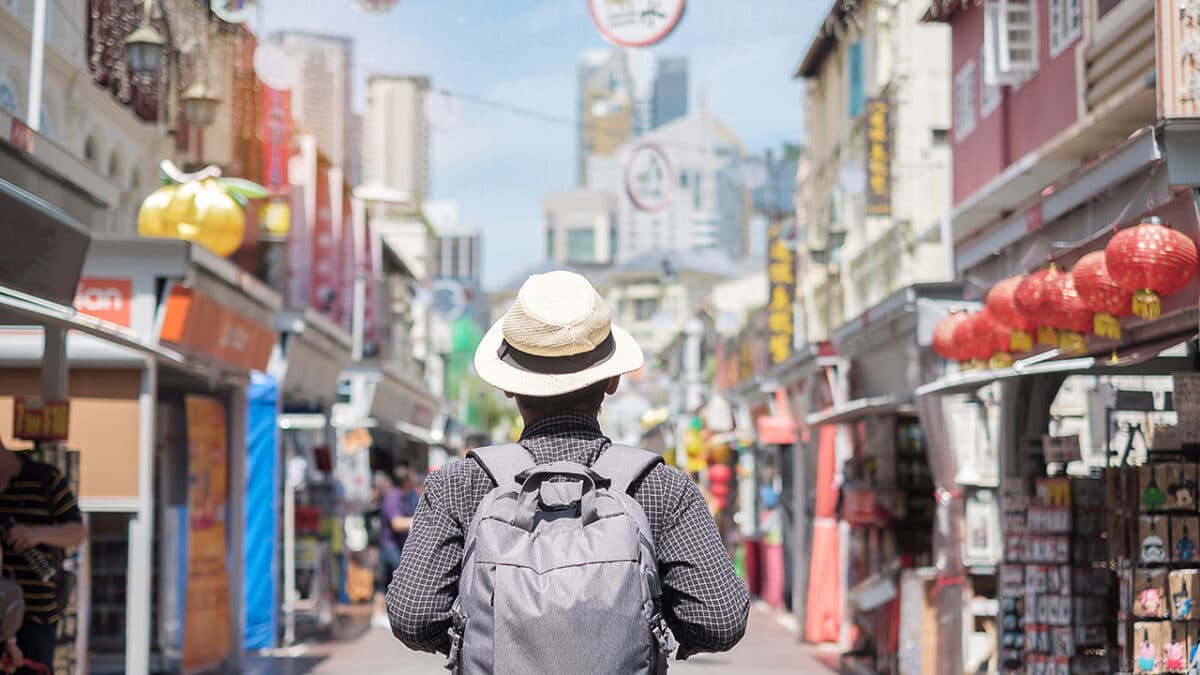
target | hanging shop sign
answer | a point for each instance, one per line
(201, 324)
(1061, 449)
(207, 635)
(648, 178)
(276, 135)
(781, 275)
(879, 157)
(1178, 59)
(105, 299)
(858, 507)
(325, 250)
(1185, 396)
(636, 23)
(38, 420)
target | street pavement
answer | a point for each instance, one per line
(767, 648)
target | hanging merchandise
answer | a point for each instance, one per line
(1102, 294)
(1001, 302)
(1066, 312)
(636, 23)
(1152, 260)
(1030, 300)
(944, 344)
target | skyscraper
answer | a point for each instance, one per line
(670, 90)
(395, 149)
(321, 98)
(606, 110)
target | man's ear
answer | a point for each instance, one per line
(612, 385)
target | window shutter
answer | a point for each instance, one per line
(1010, 41)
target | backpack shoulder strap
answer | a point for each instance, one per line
(625, 465)
(503, 462)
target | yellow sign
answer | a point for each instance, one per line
(879, 157)
(37, 420)
(207, 625)
(781, 273)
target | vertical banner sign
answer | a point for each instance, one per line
(781, 273)
(879, 157)
(370, 262)
(351, 257)
(276, 136)
(299, 251)
(1178, 75)
(324, 249)
(207, 627)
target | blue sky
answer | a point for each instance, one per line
(497, 165)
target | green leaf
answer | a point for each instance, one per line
(165, 179)
(240, 199)
(245, 188)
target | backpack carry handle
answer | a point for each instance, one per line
(533, 479)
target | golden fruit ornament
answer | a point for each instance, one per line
(151, 221)
(215, 221)
(180, 205)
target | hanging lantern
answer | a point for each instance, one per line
(944, 344)
(1029, 301)
(999, 337)
(974, 340)
(1001, 303)
(1152, 260)
(1066, 311)
(1108, 299)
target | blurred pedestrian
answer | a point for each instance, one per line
(44, 518)
(529, 540)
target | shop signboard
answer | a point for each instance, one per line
(879, 157)
(38, 420)
(276, 137)
(781, 275)
(636, 23)
(858, 507)
(1186, 397)
(106, 299)
(199, 323)
(324, 248)
(207, 630)
(1061, 449)
(1178, 62)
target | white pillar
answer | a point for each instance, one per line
(236, 522)
(37, 61)
(141, 532)
(55, 369)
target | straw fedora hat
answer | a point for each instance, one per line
(556, 338)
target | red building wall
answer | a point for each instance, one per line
(1027, 117)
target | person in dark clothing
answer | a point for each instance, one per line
(36, 496)
(558, 354)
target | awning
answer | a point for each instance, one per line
(47, 313)
(315, 352)
(44, 250)
(857, 409)
(1048, 362)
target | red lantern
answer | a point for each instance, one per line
(719, 473)
(1068, 313)
(1030, 302)
(1152, 260)
(1102, 294)
(944, 343)
(999, 338)
(972, 337)
(1003, 308)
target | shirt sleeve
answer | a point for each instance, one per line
(389, 507)
(63, 507)
(425, 585)
(705, 603)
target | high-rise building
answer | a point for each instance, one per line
(707, 206)
(606, 105)
(670, 90)
(579, 227)
(321, 97)
(395, 148)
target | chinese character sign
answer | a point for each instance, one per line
(276, 135)
(37, 420)
(879, 157)
(781, 273)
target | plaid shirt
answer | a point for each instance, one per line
(705, 604)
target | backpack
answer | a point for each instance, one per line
(559, 570)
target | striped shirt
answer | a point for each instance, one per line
(37, 496)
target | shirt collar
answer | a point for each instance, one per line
(562, 422)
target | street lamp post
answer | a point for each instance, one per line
(146, 48)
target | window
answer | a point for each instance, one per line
(645, 308)
(940, 136)
(989, 94)
(964, 101)
(581, 245)
(854, 75)
(550, 253)
(697, 184)
(1010, 41)
(1065, 22)
(8, 97)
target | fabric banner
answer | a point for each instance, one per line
(824, 611)
(262, 514)
(207, 627)
(276, 137)
(324, 249)
(299, 252)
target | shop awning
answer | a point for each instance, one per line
(31, 309)
(44, 254)
(857, 409)
(315, 352)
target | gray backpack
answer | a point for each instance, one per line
(559, 573)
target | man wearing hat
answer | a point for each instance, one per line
(558, 355)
